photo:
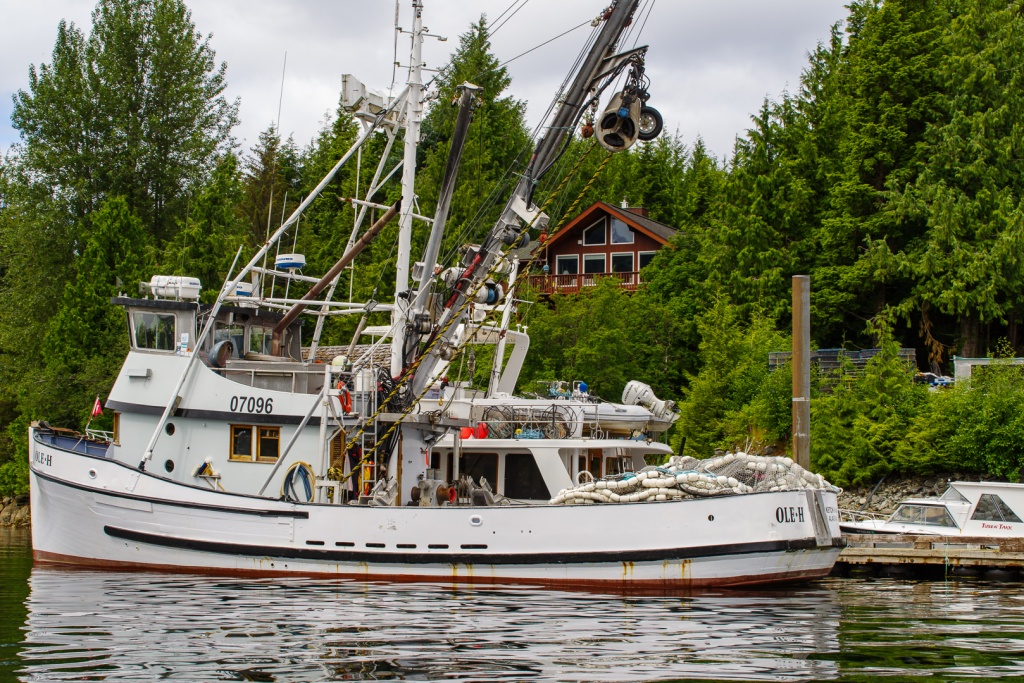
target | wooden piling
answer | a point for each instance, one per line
(802, 370)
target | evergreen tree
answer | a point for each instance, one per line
(134, 110)
(966, 268)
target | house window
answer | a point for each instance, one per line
(621, 234)
(645, 258)
(241, 442)
(991, 508)
(594, 235)
(622, 263)
(567, 265)
(594, 264)
(268, 446)
(523, 479)
(154, 331)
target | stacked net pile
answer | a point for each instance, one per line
(686, 477)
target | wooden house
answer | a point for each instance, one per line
(603, 241)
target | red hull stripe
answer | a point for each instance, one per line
(460, 575)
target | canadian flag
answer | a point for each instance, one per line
(97, 409)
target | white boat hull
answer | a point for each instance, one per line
(93, 511)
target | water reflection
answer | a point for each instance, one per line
(91, 626)
(145, 627)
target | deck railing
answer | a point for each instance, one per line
(568, 284)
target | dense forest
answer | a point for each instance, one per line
(893, 177)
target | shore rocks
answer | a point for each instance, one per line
(895, 489)
(14, 511)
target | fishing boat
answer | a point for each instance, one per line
(966, 508)
(241, 447)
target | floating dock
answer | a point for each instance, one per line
(930, 556)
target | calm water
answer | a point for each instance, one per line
(89, 626)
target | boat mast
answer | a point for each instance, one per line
(599, 63)
(413, 116)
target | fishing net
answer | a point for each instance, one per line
(686, 477)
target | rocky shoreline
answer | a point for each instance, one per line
(894, 489)
(14, 511)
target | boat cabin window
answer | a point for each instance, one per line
(954, 495)
(617, 465)
(991, 508)
(922, 514)
(268, 446)
(523, 479)
(592, 462)
(255, 444)
(479, 465)
(232, 333)
(241, 442)
(153, 331)
(260, 339)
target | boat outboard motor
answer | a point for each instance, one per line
(619, 125)
(638, 393)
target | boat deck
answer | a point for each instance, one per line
(72, 441)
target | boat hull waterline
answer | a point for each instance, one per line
(103, 514)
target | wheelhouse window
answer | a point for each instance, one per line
(594, 264)
(621, 234)
(232, 333)
(622, 263)
(154, 331)
(594, 235)
(268, 444)
(991, 508)
(241, 442)
(932, 515)
(523, 479)
(645, 258)
(567, 265)
(260, 339)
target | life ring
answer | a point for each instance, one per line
(345, 397)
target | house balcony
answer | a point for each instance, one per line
(570, 284)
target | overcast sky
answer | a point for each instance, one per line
(711, 63)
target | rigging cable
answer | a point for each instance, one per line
(537, 47)
(498, 27)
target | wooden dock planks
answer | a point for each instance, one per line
(956, 551)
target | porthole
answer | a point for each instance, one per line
(711, 518)
(92, 474)
(169, 428)
(169, 465)
(476, 520)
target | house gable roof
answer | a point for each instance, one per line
(658, 231)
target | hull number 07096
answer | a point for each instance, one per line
(251, 404)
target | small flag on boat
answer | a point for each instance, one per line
(97, 409)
